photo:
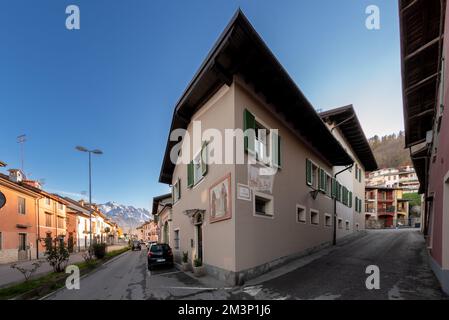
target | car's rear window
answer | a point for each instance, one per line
(159, 247)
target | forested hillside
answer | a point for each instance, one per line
(389, 150)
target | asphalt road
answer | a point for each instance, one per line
(337, 273)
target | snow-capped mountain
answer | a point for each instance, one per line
(128, 217)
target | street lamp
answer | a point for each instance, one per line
(98, 152)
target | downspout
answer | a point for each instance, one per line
(38, 228)
(334, 240)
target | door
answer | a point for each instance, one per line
(199, 230)
(23, 252)
(166, 240)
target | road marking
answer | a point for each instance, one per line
(196, 288)
(163, 274)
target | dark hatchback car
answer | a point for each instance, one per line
(160, 255)
(136, 246)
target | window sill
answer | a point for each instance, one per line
(264, 216)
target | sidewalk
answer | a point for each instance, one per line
(10, 276)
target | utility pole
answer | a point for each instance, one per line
(21, 140)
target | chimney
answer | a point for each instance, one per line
(81, 202)
(16, 175)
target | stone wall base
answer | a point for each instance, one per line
(441, 274)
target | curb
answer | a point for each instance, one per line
(85, 275)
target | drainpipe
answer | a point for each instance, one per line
(334, 240)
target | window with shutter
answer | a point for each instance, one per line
(334, 188)
(276, 149)
(249, 127)
(190, 174)
(309, 172)
(350, 199)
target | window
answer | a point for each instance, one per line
(47, 201)
(350, 200)
(21, 203)
(347, 225)
(312, 174)
(197, 168)
(263, 205)
(176, 191)
(357, 226)
(60, 222)
(360, 175)
(340, 223)
(176, 239)
(60, 206)
(328, 220)
(300, 214)
(314, 217)
(356, 172)
(260, 141)
(1, 243)
(48, 220)
(345, 196)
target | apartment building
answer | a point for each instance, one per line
(345, 126)
(19, 204)
(403, 177)
(230, 214)
(162, 212)
(385, 207)
(425, 52)
(149, 231)
(80, 213)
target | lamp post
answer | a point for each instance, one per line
(98, 152)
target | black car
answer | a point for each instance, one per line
(160, 255)
(136, 246)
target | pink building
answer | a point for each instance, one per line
(425, 59)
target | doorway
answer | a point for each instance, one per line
(199, 236)
(23, 250)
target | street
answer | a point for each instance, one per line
(333, 273)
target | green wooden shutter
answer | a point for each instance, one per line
(204, 165)
(276, 149)
(350, 199)
(190, 174)
(249, 122)
(334, 188)
(309, 172)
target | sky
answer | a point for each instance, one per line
(113, 83)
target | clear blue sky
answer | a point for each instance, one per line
(114, 83)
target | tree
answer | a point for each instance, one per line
(56, 253)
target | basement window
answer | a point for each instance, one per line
(314, 217)
(347, 225)
(328, 220)
(340, 223)
(263, 205)
(300, 214)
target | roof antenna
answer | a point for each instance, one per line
(21, 140)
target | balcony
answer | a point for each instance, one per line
(387, 199)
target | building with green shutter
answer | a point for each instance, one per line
(242, 218)
(345, 126)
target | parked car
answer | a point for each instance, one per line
(160, 255)
(136, 245)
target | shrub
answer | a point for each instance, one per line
(185, 257)
(99, 250)
(56, 253)
(197, 262)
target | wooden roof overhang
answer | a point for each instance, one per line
(349, 124)
(421, 28)
(240, 51)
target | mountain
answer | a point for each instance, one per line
(390, 151)
(127, 217)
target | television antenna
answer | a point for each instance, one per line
(21, 140)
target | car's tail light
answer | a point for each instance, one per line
(149, 254)
(170, 253)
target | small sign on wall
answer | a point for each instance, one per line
(243, 192)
